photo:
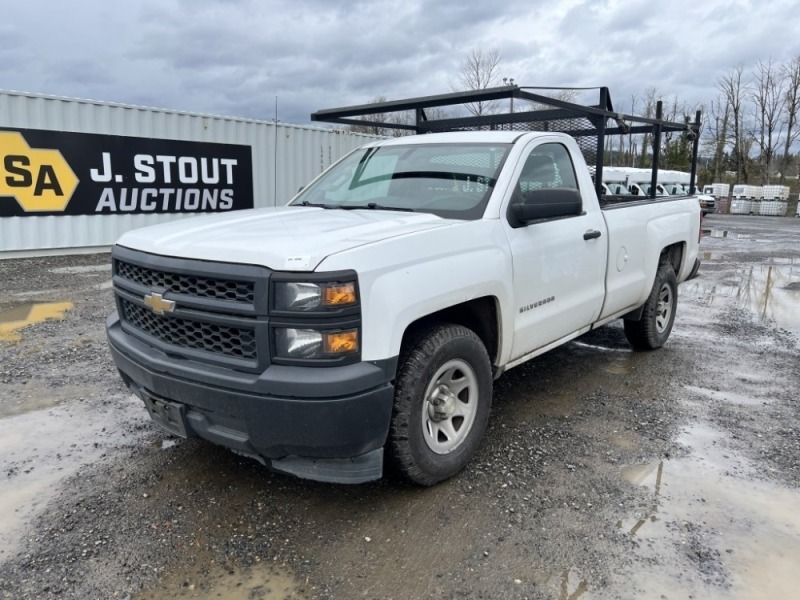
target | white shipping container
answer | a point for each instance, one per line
(753, 192)
(772, 208)
(154, 148)
(718, 190)
(775, 192)
(741, 207)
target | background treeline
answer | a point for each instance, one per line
(749, 134)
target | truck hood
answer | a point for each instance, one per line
(284, 238)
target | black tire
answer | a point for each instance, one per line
(430, 440)
(653, 329)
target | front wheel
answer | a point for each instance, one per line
(443, 393)
(653, 328)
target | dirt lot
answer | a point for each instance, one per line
(604, 474)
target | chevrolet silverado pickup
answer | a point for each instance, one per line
(363, 323)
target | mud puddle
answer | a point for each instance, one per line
(794, 262)
(770, 291)
(19, 317)
(626, 364)
(33, 396)
(725, 233)
(260, 582)
(40, 449)
(729, 396)
(572, 586)
(712, 514)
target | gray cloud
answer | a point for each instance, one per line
(235, 57)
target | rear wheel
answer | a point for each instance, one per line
(443, 393)
(653, 328)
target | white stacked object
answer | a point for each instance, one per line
(751, 192)
(775, 192)
(741, 207)
(718, 190)
(773, 208)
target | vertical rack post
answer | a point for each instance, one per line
(695, 147)
(601, 143)
(656, 148)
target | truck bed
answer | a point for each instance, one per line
(611, 201)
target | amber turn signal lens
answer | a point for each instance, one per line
(339, 294)
(341, 342)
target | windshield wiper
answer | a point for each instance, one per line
(369, 205)
(307, 203)
(374, 206)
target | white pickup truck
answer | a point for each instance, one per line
(371, 314)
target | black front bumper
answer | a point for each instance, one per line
(323, 423)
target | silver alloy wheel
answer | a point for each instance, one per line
(664, 308)
(450, 406)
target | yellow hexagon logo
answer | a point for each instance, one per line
(39, 179)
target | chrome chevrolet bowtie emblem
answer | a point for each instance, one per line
(157, 303)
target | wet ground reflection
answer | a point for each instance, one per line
(209, 581)
(39, 449)
(579, 590)
(770, 291)
(713, 508)
(12, 320)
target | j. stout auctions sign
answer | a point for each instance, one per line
(62, 173)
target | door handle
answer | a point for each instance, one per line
(591, 234)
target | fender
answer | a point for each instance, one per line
(407, 278)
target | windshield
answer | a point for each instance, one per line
(449, 180)
(618, 189)
(677, 189)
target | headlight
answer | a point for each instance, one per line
(313, 343)
(303, 296)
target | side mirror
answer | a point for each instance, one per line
(547, 203)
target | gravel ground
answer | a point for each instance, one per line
(604, 473)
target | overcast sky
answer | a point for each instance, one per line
(234, 57)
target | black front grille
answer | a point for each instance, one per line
(237, 342)
(190, 285)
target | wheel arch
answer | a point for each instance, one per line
(671, 255)
(481, 315)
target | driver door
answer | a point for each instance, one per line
(559, 264)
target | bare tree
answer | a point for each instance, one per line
(631, 145)
(676, 146)
(566, 95)
(791, 74)
(768, 96)
(400, 118)
(719, 117)
(651, 98)
(436, 113)
(734, 89)
(671, 113)
(479, 70)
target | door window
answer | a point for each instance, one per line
(547, 166)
